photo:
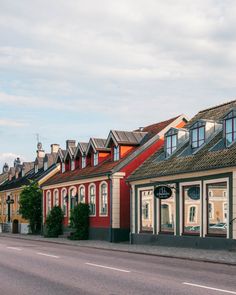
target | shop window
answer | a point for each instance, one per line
(230, 130)
(167, 214)
(92, 200)
(146, 202)
(82, 194)
(116, 153)
(217, 219)
(171, 144)
(103, 199)
(191, 205)
(198, 136)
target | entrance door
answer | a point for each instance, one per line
(15, 226)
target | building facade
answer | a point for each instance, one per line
(96, 173)
(185, 194)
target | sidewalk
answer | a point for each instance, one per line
(215, 256)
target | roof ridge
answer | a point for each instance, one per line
(217, 106)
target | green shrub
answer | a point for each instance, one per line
(79, 221)
(54, 222)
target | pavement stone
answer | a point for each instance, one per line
(214, 256)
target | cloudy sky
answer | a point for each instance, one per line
(72, 69)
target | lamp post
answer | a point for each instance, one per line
(9, 201)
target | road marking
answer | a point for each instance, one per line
(108, 267)
(48, 255)
(210, 288)
(14, 248)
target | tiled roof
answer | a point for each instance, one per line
(212, 155)
(3, 177)
(107, 166)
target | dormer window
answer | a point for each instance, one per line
(116, 153)
(36, 168)
(95, 159)
(198, 136)
(45, 166)
(171, 144)
(63, 167)
(230, 130)
(72, 165)
(83, 162)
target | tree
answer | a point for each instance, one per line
(79, 221)
(54, 222)
(31, 206)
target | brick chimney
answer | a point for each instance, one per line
(70, 143)
(54, 148)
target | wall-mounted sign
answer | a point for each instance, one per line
(194, 192)
(162, 192)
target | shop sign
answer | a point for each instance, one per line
(162, 192)
(194, 192)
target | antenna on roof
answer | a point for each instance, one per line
(37, 137)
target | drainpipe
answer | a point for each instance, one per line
(130, 214)
(110, 229)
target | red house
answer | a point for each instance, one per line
(96, 173)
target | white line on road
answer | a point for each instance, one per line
(210, 288)
(14, 248)
(108, 267)
(48, 255)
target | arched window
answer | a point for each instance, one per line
(64, 199)
(48, 202)
(56, 198)
(82, 194)
(103, 199)
(92, 199)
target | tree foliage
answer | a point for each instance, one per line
(54, 222)
(31, 206)
(79, 221)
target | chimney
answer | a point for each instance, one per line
(40, 151)
(17, 162)
(54, 148)
(70, 143)
(5, 168)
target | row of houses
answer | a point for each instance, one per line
(171, 183)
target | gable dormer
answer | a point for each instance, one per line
(174, 138)
(230, 127)
(60, 159)
(123, 142)
(96, 151)
(201, 130)
(80, 155)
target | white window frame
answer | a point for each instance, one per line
(79, 194)
(116, 153)
(95, 159)
(83, 162)
(72, 165)
(55, 192)
(89, 201)
(63, 167)
(100, 199)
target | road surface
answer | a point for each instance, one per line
(30, 267)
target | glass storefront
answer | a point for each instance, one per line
(146, 202)
(191, 210)
(217, 204)
(167, 214)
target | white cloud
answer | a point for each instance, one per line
(12, 123)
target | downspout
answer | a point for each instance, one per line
(110, 229)
(130, 214)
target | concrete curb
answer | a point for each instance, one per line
(47, 240)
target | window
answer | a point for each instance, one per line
(56, 198)
(167, 214)
(82, 194)
(95, 159)
(92, 200)
(171, 144)
(72, 198)
(191, 207)
(146, 211)
(103, 199)
(63, 167)
(217, 199)
(45, 166)
(198, 136)
(64, 202)
(83, 161)
(116, 153)
(192, 214)
(49, 202)
(230, 130)
(72, 165)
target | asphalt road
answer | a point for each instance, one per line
(29, 267)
